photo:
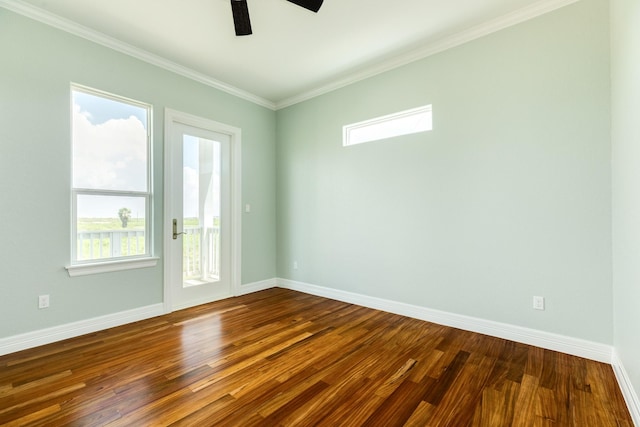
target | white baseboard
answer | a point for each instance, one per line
(574, 346)
(250, 288)
(70, 330)
(630, 396)
(33, 339)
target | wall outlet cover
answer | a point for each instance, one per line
(43, 301)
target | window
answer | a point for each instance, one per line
(111, 178)
(402, 123)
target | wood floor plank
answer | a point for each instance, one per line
(442, 385)
(284, 358)
(421, 416)
(308, 395)
(400, 405)
(524, 411)
(246, 406)
(458, 405)
(33, 417)
(497, 406)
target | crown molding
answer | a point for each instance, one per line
(76, 29)
(529, 12)
(440, 45)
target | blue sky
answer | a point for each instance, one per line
(101, 110)
(110, 153)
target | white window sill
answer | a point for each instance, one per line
(109, 266)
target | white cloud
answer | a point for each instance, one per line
(190, 193)
(111, 155)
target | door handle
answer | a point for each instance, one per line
(175, 229)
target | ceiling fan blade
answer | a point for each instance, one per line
(312, 5)
(241, 17)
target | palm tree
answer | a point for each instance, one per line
(125, 216)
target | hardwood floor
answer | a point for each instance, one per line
(280, 357)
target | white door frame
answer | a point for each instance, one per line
(172, 117)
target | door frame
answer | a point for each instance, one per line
(172, 117)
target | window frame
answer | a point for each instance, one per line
(350, 129)
(79, 267)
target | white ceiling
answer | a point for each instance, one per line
(293, 53)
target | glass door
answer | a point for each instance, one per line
(200, 216)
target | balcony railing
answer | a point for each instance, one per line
(110, 244)
(200, 254)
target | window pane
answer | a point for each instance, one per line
(109, 144)
(201, 211)
(110, 226)
(402, 123)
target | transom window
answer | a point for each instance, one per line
(111, 177)
(396, 124)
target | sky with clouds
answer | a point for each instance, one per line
(110, 153)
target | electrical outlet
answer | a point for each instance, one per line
(538, 303)
(43, 301)
(295, 265)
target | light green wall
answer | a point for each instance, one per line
(37, 65)
(508, 197)
(625, 77)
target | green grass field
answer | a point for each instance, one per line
(103, 224)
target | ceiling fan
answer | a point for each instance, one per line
(241, 13)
